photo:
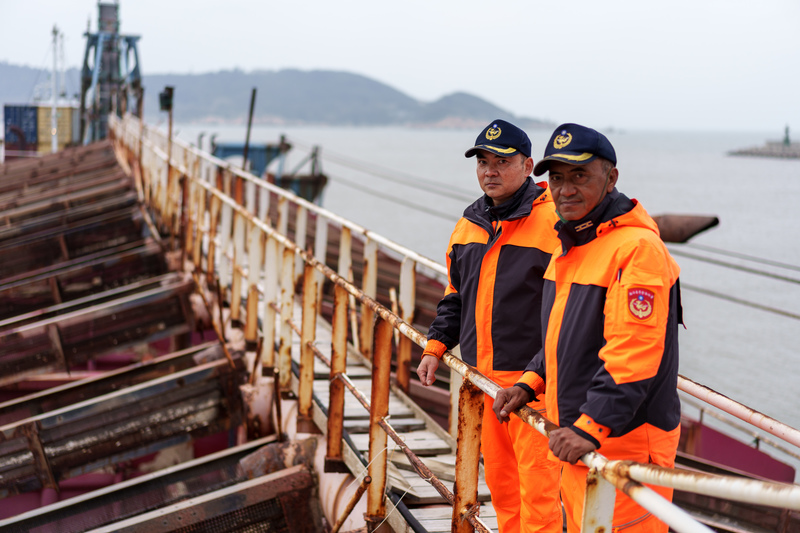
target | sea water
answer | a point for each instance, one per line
(412, 184)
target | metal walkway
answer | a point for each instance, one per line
(434, 446)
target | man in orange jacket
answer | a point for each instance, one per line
(608, 366)
(497, 255)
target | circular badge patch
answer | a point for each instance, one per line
(562, 140)
(640, 303)
(493, 133)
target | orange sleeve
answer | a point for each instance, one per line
(434, 348)
(598, 431)
(534, 381)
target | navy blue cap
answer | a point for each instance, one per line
(501, 138)
(576, 145)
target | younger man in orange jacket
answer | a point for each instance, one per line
(497, 255)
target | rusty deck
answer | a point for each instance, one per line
(103, 368)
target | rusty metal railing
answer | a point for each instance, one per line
(235, 233)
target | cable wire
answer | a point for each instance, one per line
(739, 255)
(394, 199)
(401, 178)
(734, 266)
(32, 91)
(733, 299)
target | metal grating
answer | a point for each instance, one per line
(264, 517)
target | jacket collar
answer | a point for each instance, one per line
(579, 232)
(508, 208)
(518, 206)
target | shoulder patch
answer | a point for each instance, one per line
(640, 302)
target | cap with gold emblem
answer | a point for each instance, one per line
(501, 138)
(576, 145)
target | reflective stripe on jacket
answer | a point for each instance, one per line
(497, 256)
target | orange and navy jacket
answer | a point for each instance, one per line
(497, 254)
(610, 315)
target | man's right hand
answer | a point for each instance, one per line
(427, 369)
(509, 400)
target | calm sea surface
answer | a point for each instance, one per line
(740, 350)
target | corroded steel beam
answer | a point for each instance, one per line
(35, 294)
(35, 251)
(66, 395)
(82, 301)
(379, 410)
(598, 504)
(468, 452)
(333, 459)
(55, 219)
(308, 332)
(287, 305)
(119, 426)
(87, 333)
(276, 501)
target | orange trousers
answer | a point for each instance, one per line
(523, 481)
(645, 444)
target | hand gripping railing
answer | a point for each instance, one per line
(224, 218)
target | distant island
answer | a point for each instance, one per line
(287, 97)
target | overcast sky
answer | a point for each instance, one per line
(635, 64)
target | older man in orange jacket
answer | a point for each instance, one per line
(608, 366)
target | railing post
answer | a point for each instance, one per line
(379, 403)
(308, 330)
(271, 281)
(346, 271)
(224, 181)
(187, 224)
(369, 284)
(287, 310)
(238, 189)
(283, 216)
(166, 212)
(224, 245)
(345, 254)
(200, 212)
(162, 197)
(333, 459)
(236, 267)
(456, 380)
(598, 503)
(408, 289)
(263, 204)
(300, 233)
(321, 248)
(468, 451)
(213, 223)
(250, 197)
(253, 274)
(141, 162)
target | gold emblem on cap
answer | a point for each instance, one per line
(561, 141)
(493, 133)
